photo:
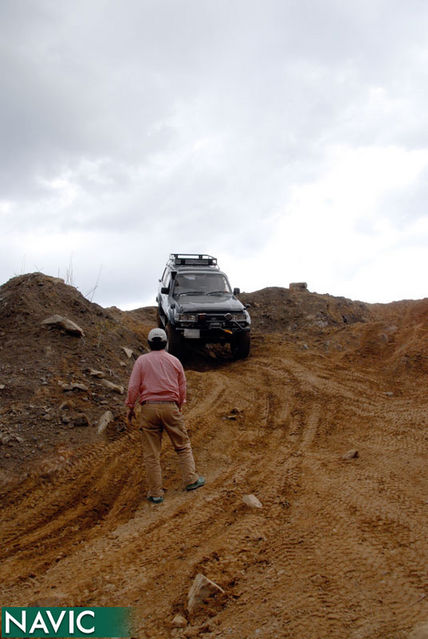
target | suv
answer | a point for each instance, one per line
(196, 303)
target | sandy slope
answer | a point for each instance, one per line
(339, 548)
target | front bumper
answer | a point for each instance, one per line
(211, 331)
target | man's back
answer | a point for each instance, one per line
(157, 376)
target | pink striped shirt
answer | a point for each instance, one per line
(157, 376)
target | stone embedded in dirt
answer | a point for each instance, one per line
(2, 386)
(58, 321)
(105, 420)
(201, 589)
(389, 394)
(234, 413)
(351, 454)
(74, 386)
(128, 352)
(319, 580)
(80, 420)
(179, 622)
(8, 438)
(67, 405)
(93, 373)
(252, 501)
(113, 387)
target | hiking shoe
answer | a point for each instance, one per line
(196, 484)
(155, 500)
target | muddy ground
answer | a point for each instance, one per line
(339, 547)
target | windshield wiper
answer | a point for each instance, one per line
(189, 293)
(218, 293)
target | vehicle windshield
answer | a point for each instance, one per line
(200, 284)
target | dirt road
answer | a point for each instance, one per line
(339, 548)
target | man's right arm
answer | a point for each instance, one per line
(134, 386)
(181, 386)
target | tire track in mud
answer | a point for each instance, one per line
(347, 612)
(86, 490)
(336, 550)
(211, 397)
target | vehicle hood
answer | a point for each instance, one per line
(209, 303)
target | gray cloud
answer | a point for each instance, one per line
(187, 124)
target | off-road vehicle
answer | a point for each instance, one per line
(197, 304)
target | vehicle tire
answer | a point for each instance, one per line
(175, 341)
(240, 345)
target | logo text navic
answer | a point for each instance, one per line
(65, 622)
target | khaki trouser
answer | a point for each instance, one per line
(152, 420)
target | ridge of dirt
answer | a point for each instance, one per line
(339, 547)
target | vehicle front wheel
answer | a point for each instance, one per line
(175, 341)
(240, 345)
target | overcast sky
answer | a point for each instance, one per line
(289, 138)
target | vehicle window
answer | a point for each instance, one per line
(200, 282)
(163, 278)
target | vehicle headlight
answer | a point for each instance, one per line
(186, 317)
(236, 317)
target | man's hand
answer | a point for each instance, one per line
(131, 414)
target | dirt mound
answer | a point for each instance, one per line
(338, 548)
(288, 310)
(52, 382)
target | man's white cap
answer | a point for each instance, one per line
(157, 334)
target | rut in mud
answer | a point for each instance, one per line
(339, 548)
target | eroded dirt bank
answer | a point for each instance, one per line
(339, 548)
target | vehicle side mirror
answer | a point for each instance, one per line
(236, 291)
(165, 290)
(247, 305)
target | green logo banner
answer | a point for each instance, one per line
(66, 622)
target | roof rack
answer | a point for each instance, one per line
(192, 259)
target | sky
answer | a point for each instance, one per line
(288, 138)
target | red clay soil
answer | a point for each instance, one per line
(339, 547)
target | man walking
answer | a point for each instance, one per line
(158, 383)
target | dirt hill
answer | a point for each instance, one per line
(338, 548)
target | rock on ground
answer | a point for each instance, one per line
(201, 589)
(105, 420)
(351, 454)
(94, 373)
(420, 631)
(113, 387)
(179, 622)
(252, 501)
(74, 386)
(58, 321)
